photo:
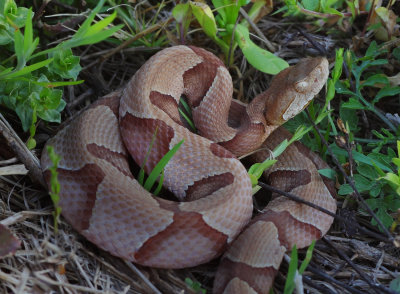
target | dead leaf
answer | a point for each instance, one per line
(8, 242)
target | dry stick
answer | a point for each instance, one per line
(231, 44)
(336, 216)
(363, 275)
(80, 98)
(351, 183)
(24, 154)
(316, 45)
(128, 42)
(327, 277)
(142, 276)
(257, 30)
(368, 18)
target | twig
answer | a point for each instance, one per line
(316, 45)
(128, 42)
(24, 154)
(257, 30)
(363, 275)
(142, 276)
(231, 43)
(327, 277)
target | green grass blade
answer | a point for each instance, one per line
(186, 106)
(19, 49)
(289, 285)
(160, 166)
(160, 183)
(28, 33)
(188, 117)
(188, 120)
(86, 24)
(52, 84)
(307, 259)
(26, 69)
(102, 24)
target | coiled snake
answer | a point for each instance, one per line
(103, 201)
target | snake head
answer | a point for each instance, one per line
(293, 89)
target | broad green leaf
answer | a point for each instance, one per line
(362, 158)
(341, 88)
(333, 11)
(375, 79)
(371, 51)
(25, 113)
(65, 64)
(337, 69)
(205, 17)
(385, 218)
(328, 172)
(345, 189)
(259, 58)
(51, 115)
(362, 184)
(385, 92)
(392, 178)
(311, 4)
(257, 11)
(353, 103)
(367, 171)
(180, 12)
(375, 190)
(395, 284)
(15, 15)
(6, 34)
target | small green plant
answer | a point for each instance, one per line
(225, 30)
(293, 272)
(195, 286)
(316, 8)
(158, 170)
(136, 22)
(54, 185)
(29, 75)
(375, 175)
(393, 179)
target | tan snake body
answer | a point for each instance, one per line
(103, 201)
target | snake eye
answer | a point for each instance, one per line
(301, 86)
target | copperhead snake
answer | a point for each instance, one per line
(101, 199)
